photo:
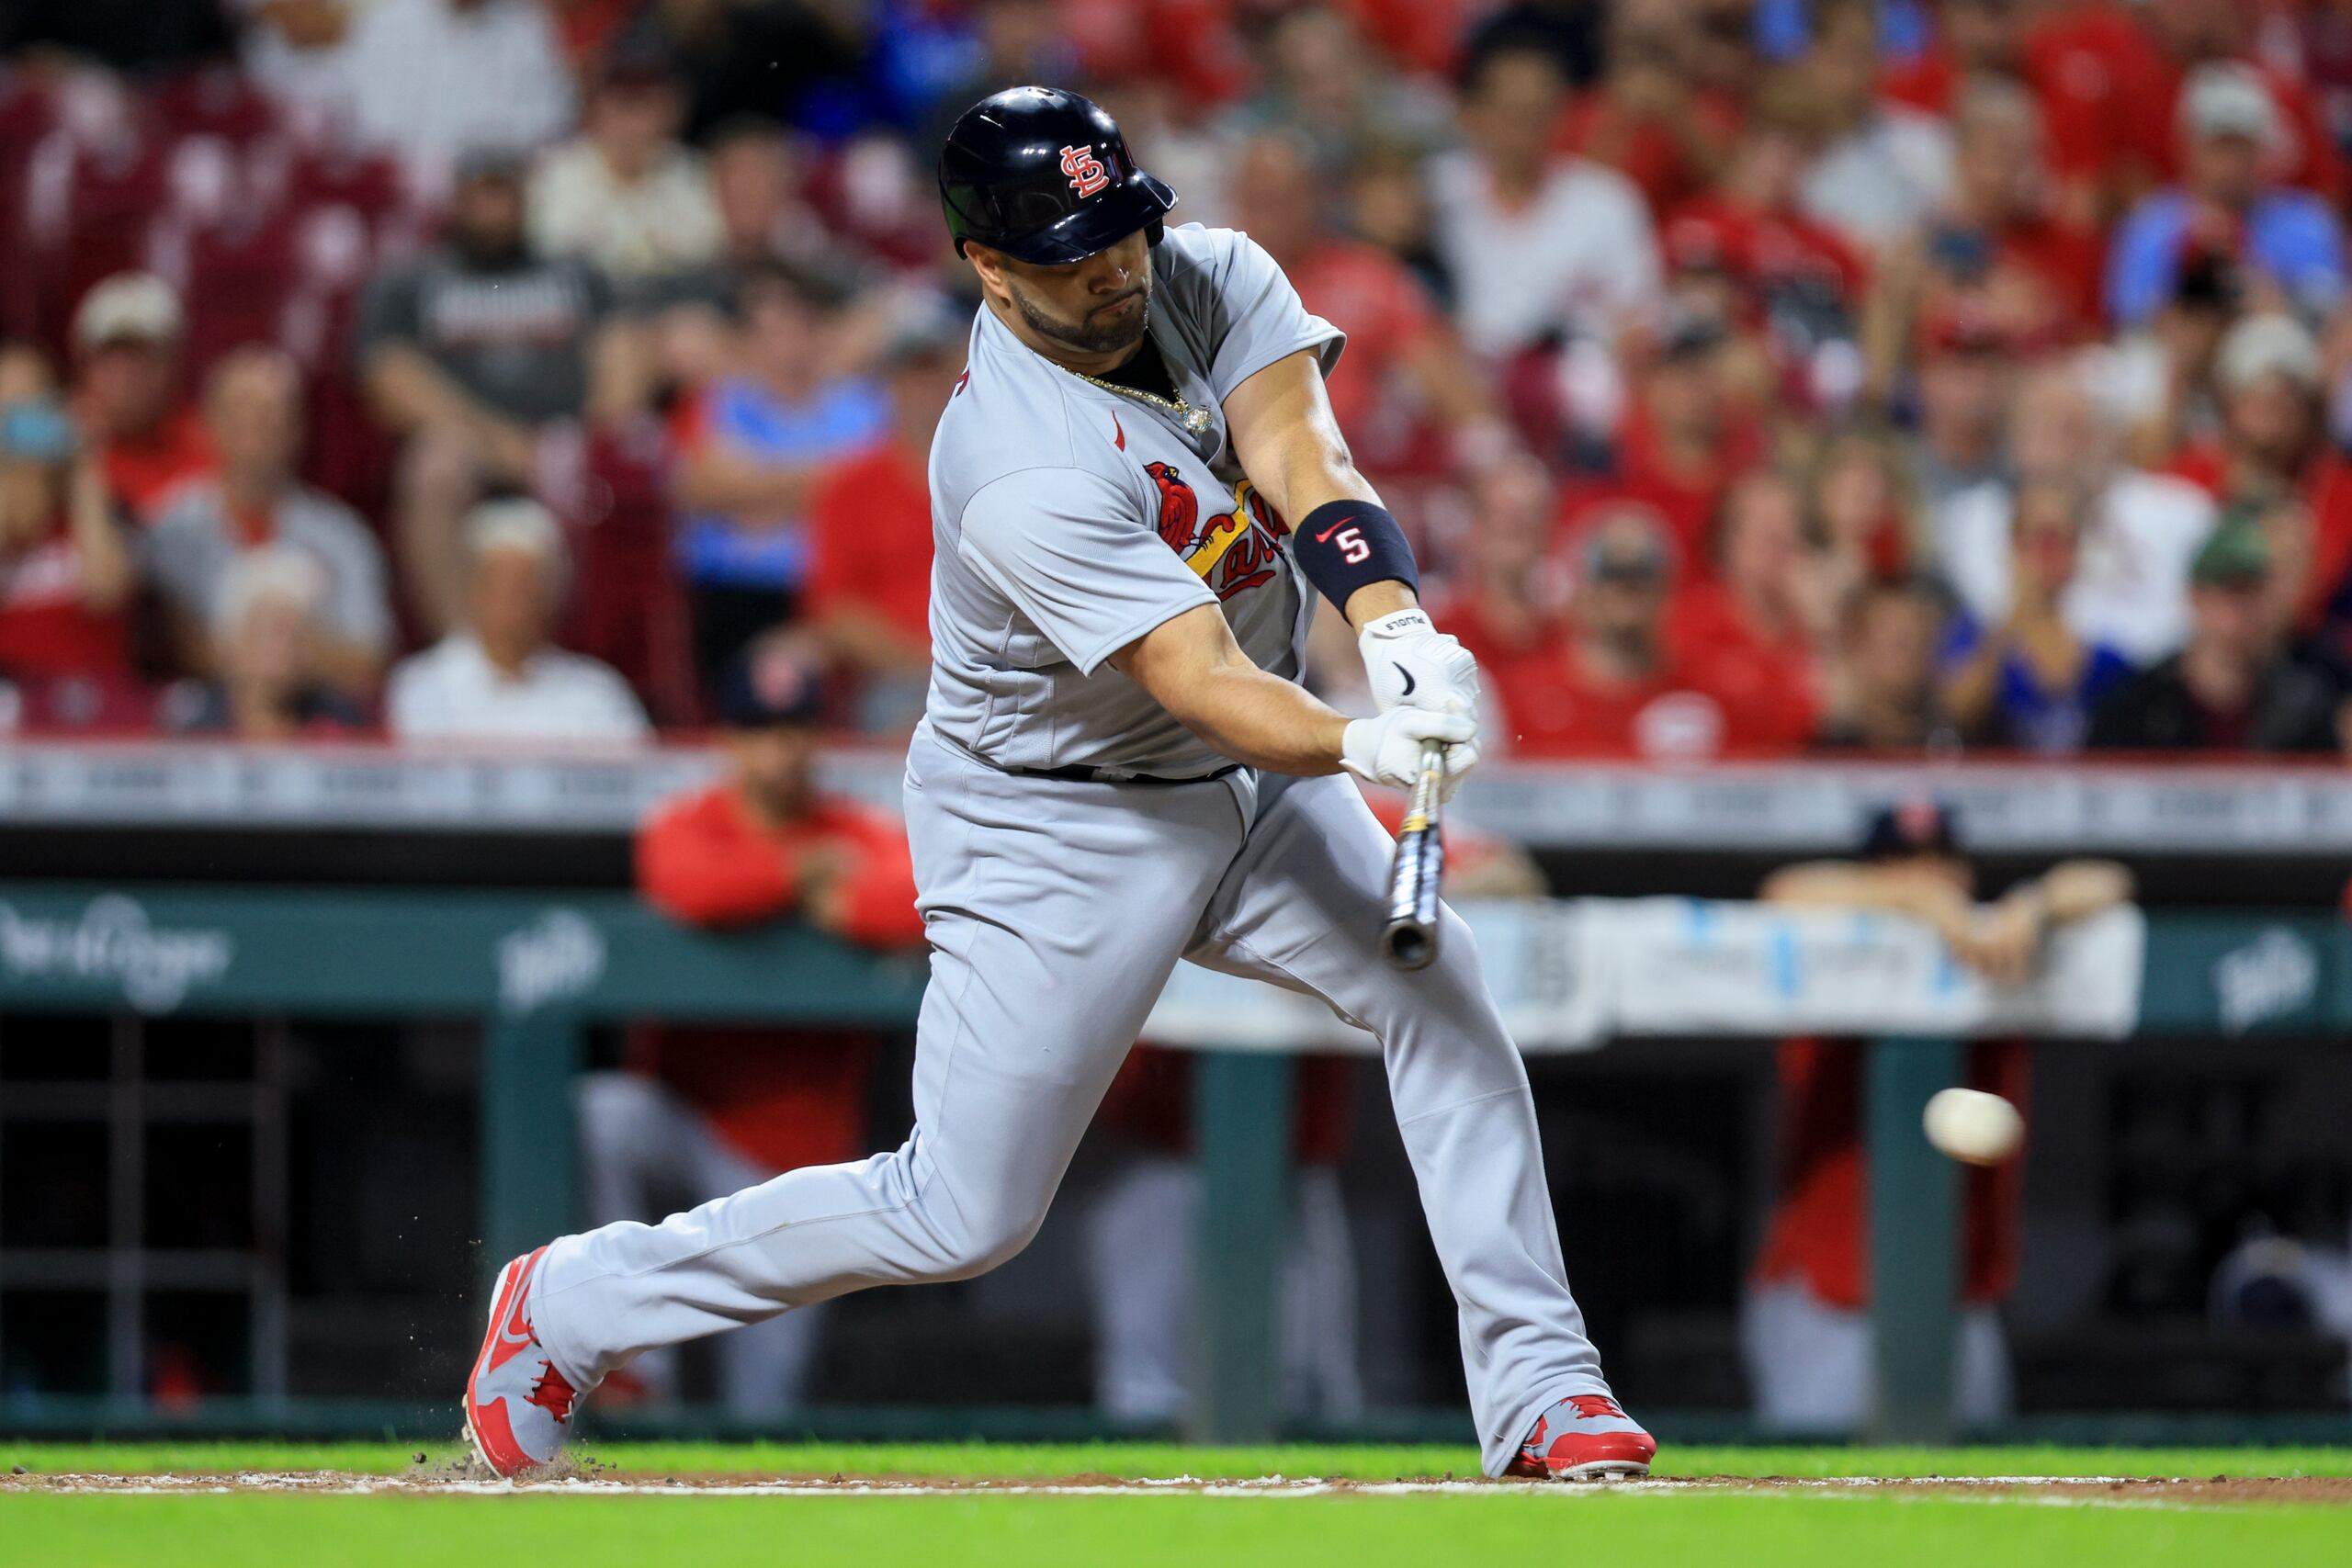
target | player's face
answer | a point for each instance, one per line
(1095, 306)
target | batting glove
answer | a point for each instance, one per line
(1410, 664)
(1386, 749)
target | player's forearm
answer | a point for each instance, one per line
(1263, 721)
(2075, 889)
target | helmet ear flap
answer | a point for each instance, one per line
(1153, 231)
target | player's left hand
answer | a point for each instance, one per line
(1410, 664)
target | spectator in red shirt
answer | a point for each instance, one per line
(869, 578)
(1507, 600)
(2110, 77)
(707, 1110)
(127, 335)
(1999, 240)
(1608, 682)
(1682, 446)
(66, 571)
(1752, 627)
(1973, 39)
(1403, 390)
(1807, 1328)
(1644, 117)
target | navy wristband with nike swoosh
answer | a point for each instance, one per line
(1346, 545)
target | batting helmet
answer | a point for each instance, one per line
(1045, 177)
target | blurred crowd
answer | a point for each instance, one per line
(1758, 375)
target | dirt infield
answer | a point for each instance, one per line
(461, 1478)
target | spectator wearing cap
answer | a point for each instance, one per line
(1608, 682)
(428, 80)
(752, 446)
(1879, 168)
(2271, 453)
(703, 1110)
(1788, 271)
(253, 501)
(2227, 202)
(2031, 682)
(127, 337)
(470, 355)
(1682, 443)
(869, 522)
(66, 570)
(267, 641)
(1805, 1328)
(1541, 248)
(1407, 386)
(499, 676)
(2235, 686)
(1880, 690)
(2131, 585)
(625, 193)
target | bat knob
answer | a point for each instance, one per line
(1407, 944)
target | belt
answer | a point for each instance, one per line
(1082, 774)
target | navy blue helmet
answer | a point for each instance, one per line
(1045, 177)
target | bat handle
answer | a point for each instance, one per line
(1408, 940)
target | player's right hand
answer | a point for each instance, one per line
(1386, 749)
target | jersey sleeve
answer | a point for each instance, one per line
(1073, 553)
(1256, 317)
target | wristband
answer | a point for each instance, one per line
(1346, 545)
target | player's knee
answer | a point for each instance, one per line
(987, 1240)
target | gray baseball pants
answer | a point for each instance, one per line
(1056, 912)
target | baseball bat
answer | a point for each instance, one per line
(1410, 939)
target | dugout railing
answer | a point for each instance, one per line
(539, 970)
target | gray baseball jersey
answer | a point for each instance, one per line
(1068, 521)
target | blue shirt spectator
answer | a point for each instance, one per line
(2225, 207)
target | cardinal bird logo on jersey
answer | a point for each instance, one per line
(1180, 509)
(1236, 550)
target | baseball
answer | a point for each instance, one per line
(1973, 1127)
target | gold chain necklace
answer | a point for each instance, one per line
(1196, 422)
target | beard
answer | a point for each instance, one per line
(1089, 335)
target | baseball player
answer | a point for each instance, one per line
(1136, 492)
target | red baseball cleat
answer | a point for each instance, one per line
(1584, 1437)
(518, 1407)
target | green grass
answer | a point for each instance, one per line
(1496, 1528)
(1045, 1461)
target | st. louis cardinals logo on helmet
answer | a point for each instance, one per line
(1086, 172)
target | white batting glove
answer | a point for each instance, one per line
(1410, 664)
(1386, 749)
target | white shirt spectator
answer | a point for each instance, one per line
(663, 224)
(451, 691)
(1881, 183)
(2130, 587)
(191, 548)
(428, 79)
(1581, 257)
